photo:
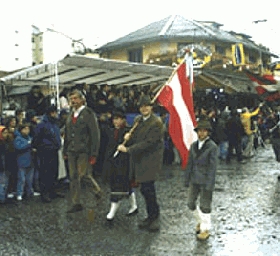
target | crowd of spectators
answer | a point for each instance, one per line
(237, 132)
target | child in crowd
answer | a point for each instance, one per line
(23, 148)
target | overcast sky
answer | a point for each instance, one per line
(106, 20)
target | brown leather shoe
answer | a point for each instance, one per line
(203, 235)
(75, 208)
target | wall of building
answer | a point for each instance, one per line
(37, 49)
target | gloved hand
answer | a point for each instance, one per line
(92, 160)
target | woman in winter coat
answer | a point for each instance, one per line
(116, 169)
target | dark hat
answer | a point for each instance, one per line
(30, 113)
(203, 124)
(64, 111)
(118, 113)
(145, 100)
(51, 109)
(23, 125)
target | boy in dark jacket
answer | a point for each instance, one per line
(22, 144)
(200, 177)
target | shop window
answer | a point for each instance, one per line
(135, 55)
(220, 50)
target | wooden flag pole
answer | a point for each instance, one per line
(167, 82)
(125, 141)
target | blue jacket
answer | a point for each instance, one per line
(47, 135)
(24, 151)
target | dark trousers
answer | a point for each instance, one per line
(48, 171)
(149, 193)
(234, 144)
(196, 191)
(12, 172)
(276, 148)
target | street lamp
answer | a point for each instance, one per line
(80, 41)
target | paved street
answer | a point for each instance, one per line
(245, 219)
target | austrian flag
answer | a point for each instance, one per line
(176, 97)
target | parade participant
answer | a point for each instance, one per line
(146, 152)
(200, 177)
(47, 142)
(117, 168)
(81, 145)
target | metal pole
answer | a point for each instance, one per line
(57, 85)
(1, 100)
(261, 62)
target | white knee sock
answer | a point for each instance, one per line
(197, 215)
(206, 222)
(133, 204)
(113, 210)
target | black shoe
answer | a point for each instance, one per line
(132, 213)
(75, 208)
(45, 199)
(57, 195)
(98, 195)
(278, 177)
(154, 225)
(145, 223)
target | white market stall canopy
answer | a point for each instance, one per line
(74, 69)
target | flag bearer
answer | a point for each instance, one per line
(146, 152)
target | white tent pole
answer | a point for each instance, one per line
(57, 85)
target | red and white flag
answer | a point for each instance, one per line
(177, 98)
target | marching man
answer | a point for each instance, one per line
(146, 155)
(200, 178)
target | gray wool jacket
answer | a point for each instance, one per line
(146, 149)
(202, 165)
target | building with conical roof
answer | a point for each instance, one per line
(219, 55)
(161, 42)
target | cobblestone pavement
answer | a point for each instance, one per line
(245, 219)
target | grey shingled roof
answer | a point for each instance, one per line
(178, 27)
